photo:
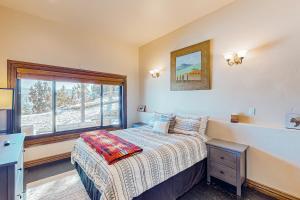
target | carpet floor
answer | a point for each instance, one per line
(63, 186)
(60, 181)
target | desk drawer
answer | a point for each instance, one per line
(224, 173)
(222, 157)
(19, 174)
(19, 181)
(20, 196)
(11, 179)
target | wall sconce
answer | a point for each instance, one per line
(154, 73)
(235, 58)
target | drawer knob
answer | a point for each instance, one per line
(20, 169)
(222, 158)
(20, 196)
(221, 172)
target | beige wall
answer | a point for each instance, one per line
(273, 156)
(27, 38)
(267, 80)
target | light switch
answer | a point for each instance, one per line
(252, 111)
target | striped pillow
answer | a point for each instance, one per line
(187, 124)
(192, 126)
(202, 128)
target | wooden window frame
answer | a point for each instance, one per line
(13, 67)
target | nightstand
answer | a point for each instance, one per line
(138, 124)
(227, 161)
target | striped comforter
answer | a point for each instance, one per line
(163, 156)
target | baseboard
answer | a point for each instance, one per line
(270, 191)
(45, 160)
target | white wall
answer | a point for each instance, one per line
(273, 156)
(267, 80)
(47, 150)
(31, 39)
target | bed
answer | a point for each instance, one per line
(169, 166)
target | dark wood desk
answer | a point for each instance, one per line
(11, 167)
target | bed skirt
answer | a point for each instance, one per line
(170, 189)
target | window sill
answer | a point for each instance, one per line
(50, 139)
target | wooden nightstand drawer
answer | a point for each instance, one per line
(224, 173)
(227, 161)
(222, 156)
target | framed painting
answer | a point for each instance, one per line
(190, 67)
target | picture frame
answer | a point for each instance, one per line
(293, 121)
(141, 108)
(190, 67)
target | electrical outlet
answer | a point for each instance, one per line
(252, 111)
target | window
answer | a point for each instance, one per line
(111, 106)
(55, 106)
(61, 101)
(36, 107)
(78, 106)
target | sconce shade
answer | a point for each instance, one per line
(155, 73)
(228, 56)
(242, 53)
(6, 98)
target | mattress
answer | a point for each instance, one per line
(163, 156)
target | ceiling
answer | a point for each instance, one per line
(132, 21)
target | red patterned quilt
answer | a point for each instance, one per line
(111, 147)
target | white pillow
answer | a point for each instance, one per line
(156, 116)
(161, 126)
